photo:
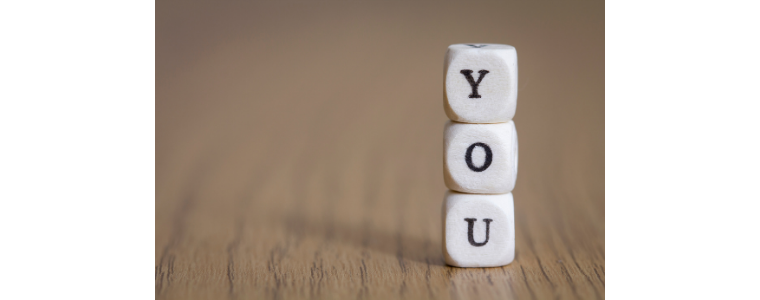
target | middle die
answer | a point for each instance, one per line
(480, 158)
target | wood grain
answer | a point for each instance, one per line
(299, 151)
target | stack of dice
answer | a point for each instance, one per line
(479, 155)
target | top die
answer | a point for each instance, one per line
(480, 83)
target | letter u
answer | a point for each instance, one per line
(470, 225)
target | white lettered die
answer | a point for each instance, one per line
(478, 230)
(480, 84)
(480, 158)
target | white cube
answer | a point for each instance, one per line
(480, 158)
(480, 84)
(478, 230)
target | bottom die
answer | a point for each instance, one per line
(478, 230)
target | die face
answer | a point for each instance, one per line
(480, 158)
(480, 84)
(479, 230)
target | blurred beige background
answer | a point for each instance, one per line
(299, 148)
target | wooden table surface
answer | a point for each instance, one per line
(299, 150)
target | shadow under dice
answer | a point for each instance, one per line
(478, 230)
(480, 83)
(480, 158)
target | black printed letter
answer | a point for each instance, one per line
(474, 85)
(468, 157)
(470, 224)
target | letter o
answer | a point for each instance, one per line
(468, 157)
